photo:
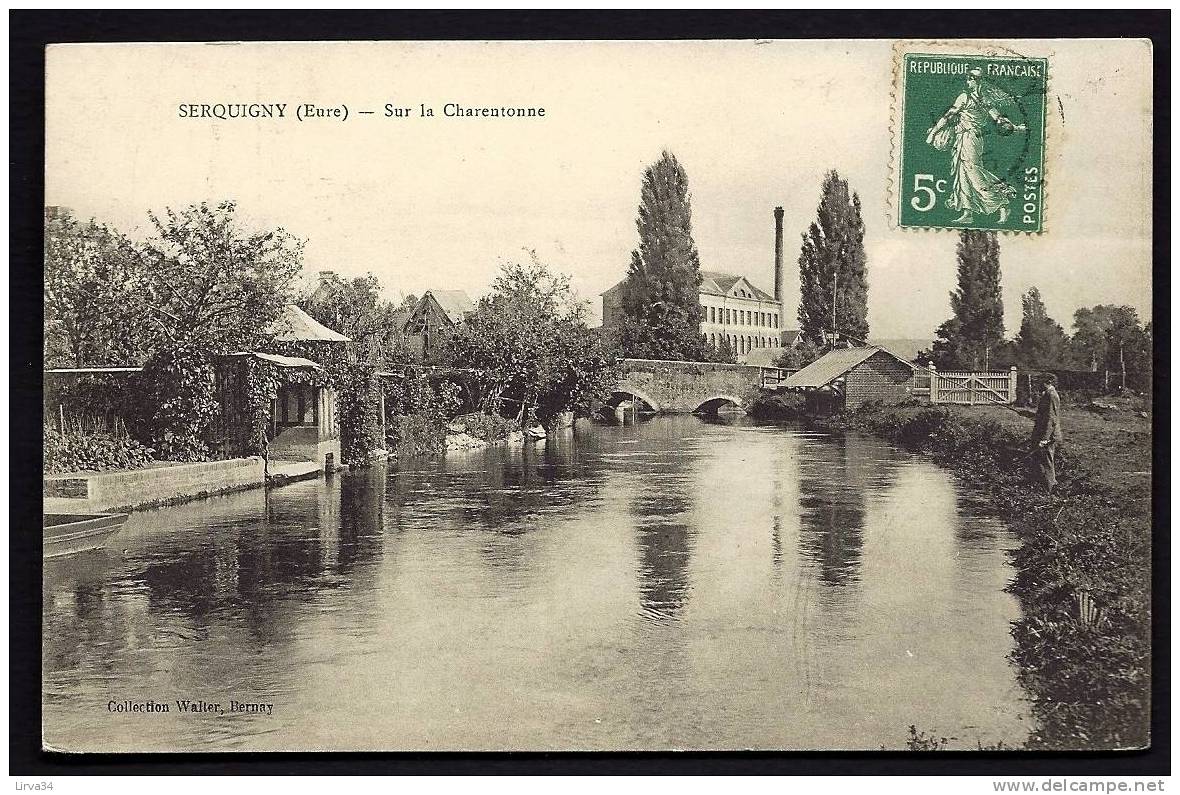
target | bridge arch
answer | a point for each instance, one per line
(712, 404)
(623, 393)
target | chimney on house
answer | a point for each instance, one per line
(778, 254)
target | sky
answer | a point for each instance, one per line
(443, 202)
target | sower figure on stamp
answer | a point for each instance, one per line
(974, 188)
(1046, 435)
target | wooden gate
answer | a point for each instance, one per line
(972, 389)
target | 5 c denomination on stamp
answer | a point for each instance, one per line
(972, 142)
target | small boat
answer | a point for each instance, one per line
(69, 533)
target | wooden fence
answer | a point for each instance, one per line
(967, 389)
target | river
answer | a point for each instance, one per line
(671, 584)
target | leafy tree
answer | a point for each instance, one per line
(1110, 337)
(1089, 338)
(354, 307)
(801, 355)
(723, 352)
(211, 285)
(532, 352)
(833, 254)
(1129, 348)
(972, 338)
(1041, 342)
(210, 288)
(661, 296)
(93, 314)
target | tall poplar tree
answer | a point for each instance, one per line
(973, 337)
(661, 305)
(832, 266)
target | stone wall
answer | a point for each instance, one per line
(92, 492)
(882, 378)
(681, 387)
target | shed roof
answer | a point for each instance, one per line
(282, 361)
(833, 365)
(295, 325)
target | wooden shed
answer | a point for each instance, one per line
(848, 377)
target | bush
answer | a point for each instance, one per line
(415, 435)
(360, 422)
(421, 411)
(488, 427)
(177, 405)
(778, 406)
(93, 449)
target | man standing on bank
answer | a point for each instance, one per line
(1046, 433)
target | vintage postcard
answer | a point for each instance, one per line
(598, 395)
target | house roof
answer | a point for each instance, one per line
(833, 365)
(295, 325)
(718, 283)
(714, 283)
(398, 319)
(455, 304)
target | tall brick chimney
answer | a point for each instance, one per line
(778, 255)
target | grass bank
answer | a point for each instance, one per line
(1083, 569)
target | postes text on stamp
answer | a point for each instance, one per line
(972, 142)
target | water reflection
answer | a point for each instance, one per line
(664, 541)
(834, 484)
(672, 583)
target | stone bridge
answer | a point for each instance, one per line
(687, 387)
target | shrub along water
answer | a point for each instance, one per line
(421, 411)
(1083, 644)
(92, 445)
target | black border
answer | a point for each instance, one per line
(31, 30)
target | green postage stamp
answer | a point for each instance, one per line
(972, 147)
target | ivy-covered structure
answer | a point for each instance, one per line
(282, 403)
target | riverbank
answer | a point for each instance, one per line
(425, 436)
(1083, 643)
